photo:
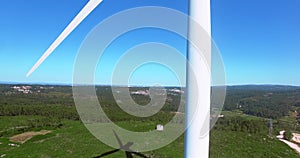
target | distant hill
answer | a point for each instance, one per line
(264, 87)
(270, 101)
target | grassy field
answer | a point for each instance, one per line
(230, 144)
(72, 139)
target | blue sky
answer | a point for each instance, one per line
(258, 39)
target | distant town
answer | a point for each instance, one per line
(28, 89)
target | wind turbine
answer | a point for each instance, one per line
(197, 143)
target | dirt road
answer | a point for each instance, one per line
(292, 145)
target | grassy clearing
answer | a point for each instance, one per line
(74, 140)
(230, 144)
(71, 140)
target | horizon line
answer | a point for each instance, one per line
(139, 85)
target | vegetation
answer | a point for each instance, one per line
(70, 140)
(262, 101)
(234, 144)
(242, 132)
(239, 135)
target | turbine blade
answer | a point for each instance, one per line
(88, 8)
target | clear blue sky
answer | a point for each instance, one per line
(259, 40)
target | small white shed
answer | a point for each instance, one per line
(159, 127)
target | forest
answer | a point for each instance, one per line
(266, 101)
(263, 101)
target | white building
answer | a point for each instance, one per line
(281, 135)
(159, 127)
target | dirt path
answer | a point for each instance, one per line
(292, 145)
(22, 138)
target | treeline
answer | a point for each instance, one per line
(262, 101)
(113, 112)
(241, 124)
(116, 114)
(56, 111)
(265, 108)
(237, 122)
(61, 105)
(107, 99)
(50, 98)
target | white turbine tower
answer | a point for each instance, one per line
(197, 134)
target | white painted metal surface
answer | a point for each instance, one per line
(197, 136)
(88, 8)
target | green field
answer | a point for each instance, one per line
(231, 144)
(72, 139)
